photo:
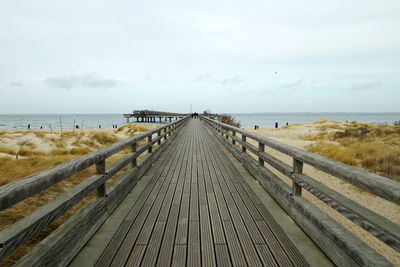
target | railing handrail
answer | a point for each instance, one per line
(23, 188)
(373, 183)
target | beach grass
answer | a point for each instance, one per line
(375, 148)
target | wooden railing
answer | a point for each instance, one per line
(62, 245)
(344, 248)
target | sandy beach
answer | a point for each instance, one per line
(294, 136)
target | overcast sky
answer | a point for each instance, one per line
(226, 56)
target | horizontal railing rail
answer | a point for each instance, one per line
(15, 192)
(377, 225)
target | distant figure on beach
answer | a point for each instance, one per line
(256, 127)
(77, 127)
(41, 127)
(276, 124)
(99, 126)
(29, 126)
(287, 124)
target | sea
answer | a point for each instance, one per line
(264, 120)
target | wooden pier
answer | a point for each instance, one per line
(193, 196)
(151, 116)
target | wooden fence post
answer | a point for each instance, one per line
(159, 140)
(297, 168)
(233, 139)
(101, 169)
(244, 141)
(134, 149)
(261, 148)
(149, 139)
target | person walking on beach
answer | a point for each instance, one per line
(276, 124)
(29, 126)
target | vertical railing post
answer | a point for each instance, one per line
(149, 139)
(297, 168)
(134, 150)
(101, 169)
(261, 148)
(233, 138)
(244, 141)
(165, 132)
(159, 134)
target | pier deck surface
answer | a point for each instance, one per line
(192, 208)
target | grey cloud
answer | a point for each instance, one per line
(232, 80)
(17, 84)
(292, 85)
(91, 80)
(205, 78)
(365, 86)
(211, 79)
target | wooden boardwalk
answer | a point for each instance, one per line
(197, 210)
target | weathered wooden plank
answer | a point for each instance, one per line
(150, 258)
(167, 203)
(266, 256)
(179, 258)
(247, 219)
(136, 256)
(126, 246)
(222, 255)
(216, 223)
(182, 232)
(194, 246)
(115, 242)
(273, 244)
(194, 203)
(248, 248)
(134, 214)
(167, 246)
(235, 250)
(207, 247)
(251, 200)
(150, 221)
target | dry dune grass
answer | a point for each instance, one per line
(56, 149)
(372, 147)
